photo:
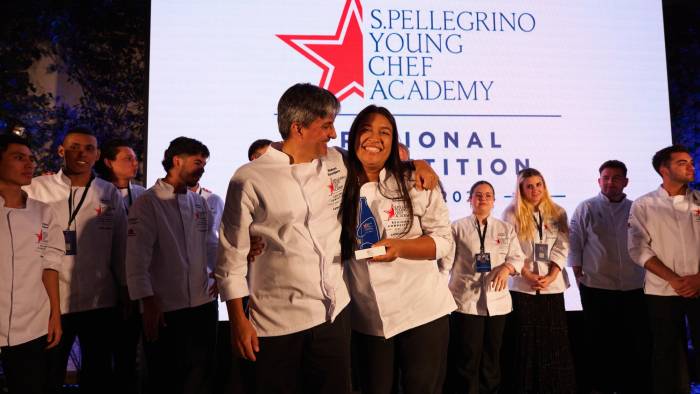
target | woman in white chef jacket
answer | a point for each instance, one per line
(487, 253)
(400, 299)
(541, 352)
(119, 164)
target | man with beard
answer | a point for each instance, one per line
(614, 308)
(664, 238)
(93, 218)
(171, 248)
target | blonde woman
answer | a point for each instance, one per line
(542, 358)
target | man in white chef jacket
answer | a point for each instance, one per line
(664, 238)
(611, 285)
(91, 213)
(297, 331)
(31, 246)
(171, 249)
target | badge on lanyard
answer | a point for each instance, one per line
(483, 262)
(482, 259)
(542, 252)
(71, 238)
(541, 248)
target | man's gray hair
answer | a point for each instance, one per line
(304, 103)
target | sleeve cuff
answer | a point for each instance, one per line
(231, 287)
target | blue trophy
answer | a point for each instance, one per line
(367, 233)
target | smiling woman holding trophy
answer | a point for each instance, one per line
(393, 235)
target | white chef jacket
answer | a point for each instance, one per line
(472, 290)
(171, 248)
(667, 227)
(136, 191)
(31, 241)
(558, 246)
(297, 282)
(598, 243)
(89, 279)
(390, 298)
(216, 205)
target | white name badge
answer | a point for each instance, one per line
(370, 252)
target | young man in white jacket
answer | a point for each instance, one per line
(171, 249)
(611, 285)
(91, 212)
(31, 245)
(664, 238)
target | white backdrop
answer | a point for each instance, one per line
(480, 88)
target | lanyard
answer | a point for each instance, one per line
(71, 196)
(539, 223)
(128, 191)
(482, 236)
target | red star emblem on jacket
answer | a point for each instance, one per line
(99, 210)
(391, 213)
(340, 56)
(331, 187)
(39, 236)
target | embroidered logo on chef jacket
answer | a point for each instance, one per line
(201, 218)
(336, 184)
(105, 215)
(396, 219)
(42, 237)
(696, 214)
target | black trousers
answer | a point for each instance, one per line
(420, 354)
(127, 335)
(26, 367)
(95, 331)
(618, 341)
(316, 360)
(182, 360)
(667, 316)
(474, 364)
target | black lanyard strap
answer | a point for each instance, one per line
(73, 213)
(482, 236)
(539, 224)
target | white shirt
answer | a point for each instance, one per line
(667, 227)
(31, 241)
(390, 298)
(297, 282)
(129, 198)
(557, 245)
(216, 205)
(472, 290)
(89, 279)
(598, 243)
(171, 248)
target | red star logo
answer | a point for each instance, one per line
(391, 213)
(340, 56)
(39, 236)
(697, 212)
(330, 186)
(99, 210)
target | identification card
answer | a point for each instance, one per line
(483, 262)
(370, 252)
(542, 253)
(71, 238)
